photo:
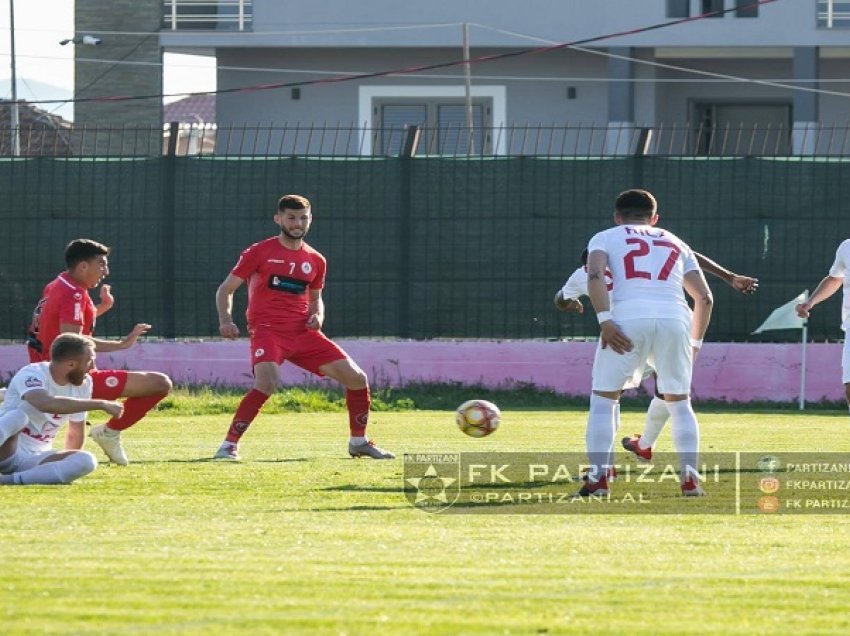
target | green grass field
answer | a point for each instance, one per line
(300, 538)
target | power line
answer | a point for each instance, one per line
(426, 67)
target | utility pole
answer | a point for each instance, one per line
(15, 128)
(468, 88)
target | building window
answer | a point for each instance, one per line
(746, 9)
(442, 123)
(678, 8)
(833, 14)
(742, 129)
(712, 6)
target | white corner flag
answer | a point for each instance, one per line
(785, 317)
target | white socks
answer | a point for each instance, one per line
(357, 440)
(656, 417)
(61, 471)
(599, 436)
(685, 437)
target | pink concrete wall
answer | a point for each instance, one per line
(734, 372)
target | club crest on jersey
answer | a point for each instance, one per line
(32, 382)
(111, 381)
(259, 352)
(78, 296)
(306, 267)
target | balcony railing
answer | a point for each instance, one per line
(833, 14)
(203, 15)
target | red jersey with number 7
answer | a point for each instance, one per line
(648, 266)
(279, 280)
(63, 301)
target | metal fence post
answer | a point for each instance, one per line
(167, 224)
(408, 150)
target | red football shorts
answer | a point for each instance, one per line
(308, 349)
(107, 384)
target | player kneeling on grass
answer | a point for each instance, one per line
(285, 278)
(40, 398)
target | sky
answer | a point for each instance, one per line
(43, 63)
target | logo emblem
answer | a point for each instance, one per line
(769, 464)
(769, 485)
(768, 504)
(306, 267)
(432, 483)
(259, 352)
(32, 382)
(111, 381)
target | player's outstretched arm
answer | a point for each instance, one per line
(697, 288)
(743, 284)
(826, 288)
(107, 346)
(224, 306)
(60, 405)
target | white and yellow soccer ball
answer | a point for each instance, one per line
(478, 418)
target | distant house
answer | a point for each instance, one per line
(39, 132)
(196, 119)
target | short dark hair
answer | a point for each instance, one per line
(636, 203)
(80, 250)
(293, 202)
(69, 345)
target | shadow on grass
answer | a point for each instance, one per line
(358, 488)
(210, 460)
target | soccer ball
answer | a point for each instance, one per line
(478, 418)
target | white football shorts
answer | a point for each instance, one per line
(845, 361)
(23, 460)
(664, 341)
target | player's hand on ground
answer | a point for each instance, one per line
(803, 310)
(106, 298)
(228, 330)
(314, 321)
(113, 409)
(745, 284)
(611, 336)
(139, 330)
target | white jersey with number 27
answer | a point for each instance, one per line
(648, 265)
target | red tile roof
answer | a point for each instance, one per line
(191, 110)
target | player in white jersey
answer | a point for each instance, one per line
(41, 397)
(835, 280)
(651, 269)
(568, 299)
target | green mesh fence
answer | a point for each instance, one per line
(466, 247)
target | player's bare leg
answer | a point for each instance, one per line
(143, 390)
(266, 382)
(847, 393)
(357, 399)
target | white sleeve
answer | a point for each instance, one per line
(597, 243)
(689, 260)
(576, 285)
(27, 380)
(839, 267)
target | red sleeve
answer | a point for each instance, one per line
(69, 306)
(321, 266)
(248, 262)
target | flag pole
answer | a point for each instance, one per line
(805, 336)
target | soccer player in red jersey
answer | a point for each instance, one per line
(285, 278)
(66, 307)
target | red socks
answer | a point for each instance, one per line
(358, 404)
(245, 414)
(135, 408)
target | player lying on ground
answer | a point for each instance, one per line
(568, 300)
(41, 397)
(285, 314)
(66, 307)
